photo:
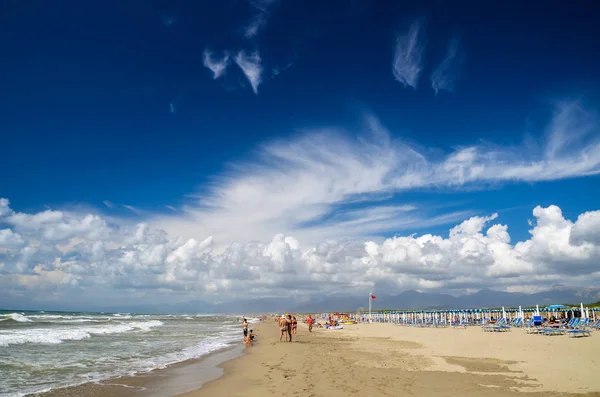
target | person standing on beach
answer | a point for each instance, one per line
(245, 327)
(310, 322)
(294, 325)
(283, 327)
(289, 326)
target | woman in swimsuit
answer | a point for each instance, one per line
(289, 326)
(294, 325)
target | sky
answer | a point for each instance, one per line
(221, 151)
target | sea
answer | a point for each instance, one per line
(41, 351)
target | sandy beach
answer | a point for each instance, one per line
(390, 360)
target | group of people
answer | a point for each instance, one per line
(249, 336)
(288, 326)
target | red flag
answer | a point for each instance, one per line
(373, 297)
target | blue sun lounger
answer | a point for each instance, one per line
(580, 329)
(560, 330)
(500, 326)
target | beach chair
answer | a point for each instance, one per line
(557, 329)
(580, 329)
(534, 326)
(500, 326)
(518, 322)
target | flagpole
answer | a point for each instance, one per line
(370, 319)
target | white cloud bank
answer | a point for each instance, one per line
(408, 55)
(56, 255)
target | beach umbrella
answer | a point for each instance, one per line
(503, 312)
(582, 312)
(556, 307)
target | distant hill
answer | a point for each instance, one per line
(407, 300)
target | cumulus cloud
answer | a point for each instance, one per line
(217, 65)
(4, 207)
(446, 73)
(78, 253)
(250, 64)
(321, 184)
(408, 55)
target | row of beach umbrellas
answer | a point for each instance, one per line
(481, 312)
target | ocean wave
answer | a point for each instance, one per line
(15, 317)
(59, 335)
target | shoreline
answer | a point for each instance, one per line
(174, 379)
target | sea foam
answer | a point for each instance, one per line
(59, 335)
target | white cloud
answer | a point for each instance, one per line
(4, 207)
(132, 209)
(587, 229)
(217, 65)
(445, 75)
(323, 184)
(87, 254)
(109, 204)
(251, 66)
(10, 239)
(258, 22)
(408, 55)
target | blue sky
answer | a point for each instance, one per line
(346, 121)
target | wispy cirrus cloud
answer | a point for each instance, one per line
(217, 65)
(259, 21)
(299, 186)
(408, 55)
(250, 64)
(445, 75)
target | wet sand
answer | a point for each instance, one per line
(175, 379)
(389, 360)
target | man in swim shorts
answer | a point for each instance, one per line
(245, 327)
(283, 327)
